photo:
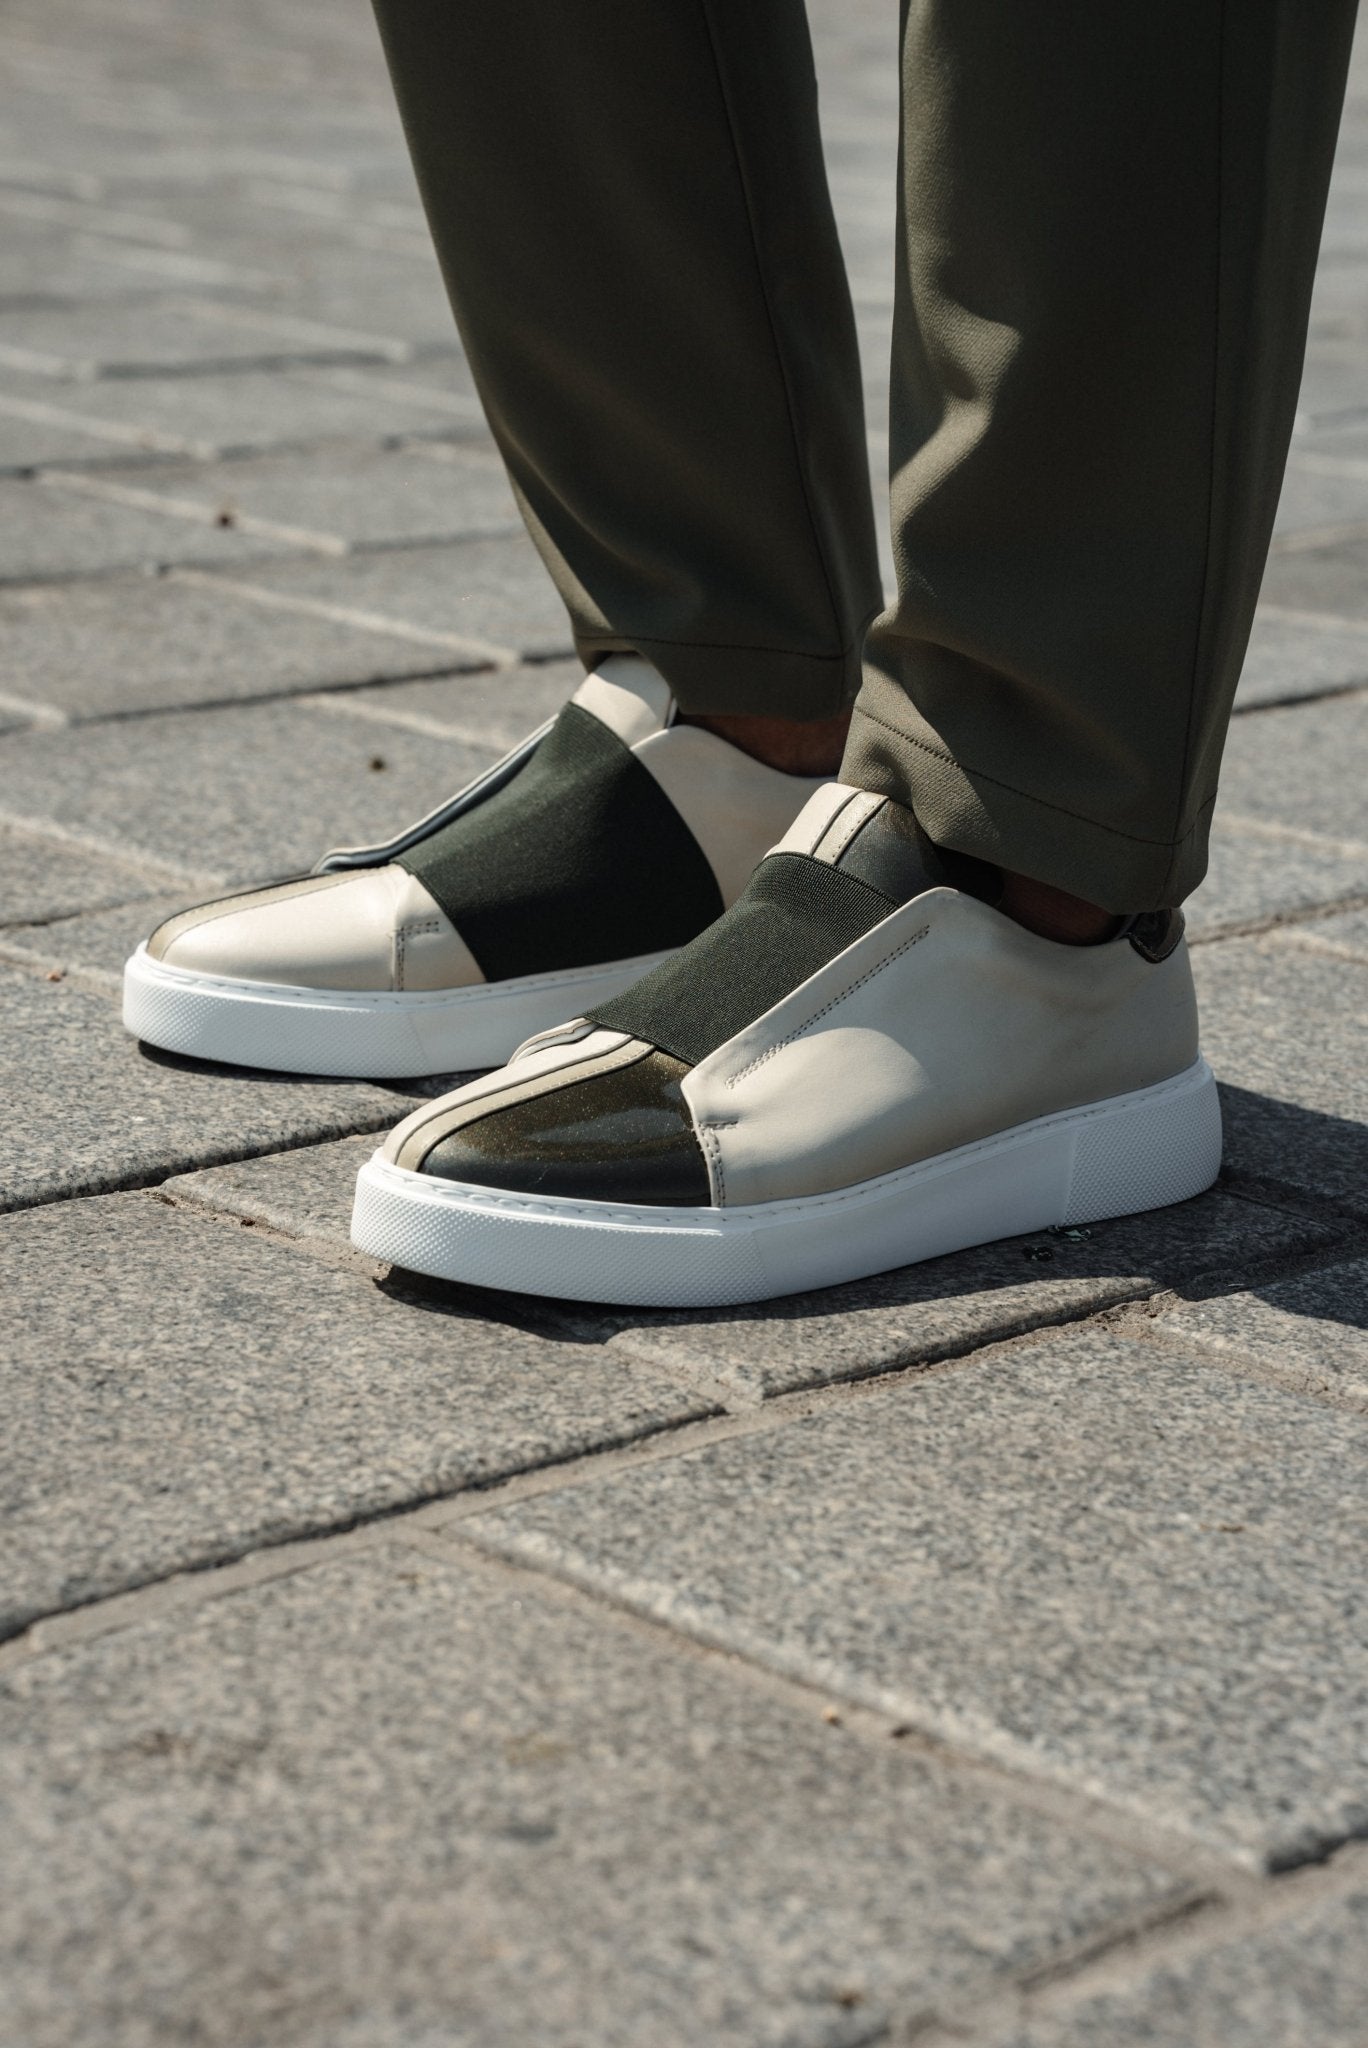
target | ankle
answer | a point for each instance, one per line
(796, 746)
(1054, 914)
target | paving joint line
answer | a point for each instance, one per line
(1292, 920)
(160, 872)
(10, 926)
(491, 652)
(310, 696)
(197, 1585)
(143, 1179)
(1124, 1966)
(846, 1714)
(1296, 700)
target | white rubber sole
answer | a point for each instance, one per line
(365, 1036)
(1110, 1158)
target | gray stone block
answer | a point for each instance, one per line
(1256, 875)
(96, 943)
(1334, 385)
(1306, 767)
(1087, 1558)
(239, 412)
(400, 1799)
(50, 878)
(184, 1391)
(1296, 657)
(1300, 1982)
(305, 1193)
(52, 532)
(1315, 497)
(1286, 1030)
(493, 590)
(44, 267)
(80, 342)
(240, 794)
(30, 438)
(1333, 580)
(122, 644)
(87, 1108)
(366, 289)
(1345, 934)
(491, 708)
(953, 1305)
(1310, 1332)
(366, 497)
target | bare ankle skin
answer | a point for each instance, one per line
(815, 746)
(1053, 914)
(796, 746)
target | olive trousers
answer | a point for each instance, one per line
(1108, 217)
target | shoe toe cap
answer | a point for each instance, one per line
(622, 1134)
(322, 931)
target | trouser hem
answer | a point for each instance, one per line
(974, 813)
(760, 682)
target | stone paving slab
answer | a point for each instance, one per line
(95, 944)
(304, 1194)
(1331, 580)
(1299, 655)
(1256, 875)
(26, 442)
(364, 497)
(81, 343)
(183, 1391)
(49, 878)
(914, 1316)
(1306, 767)
(1310, 1332)
(1301, 1983)
(135, 643)
(52, 533)
(949, 1306)
(247, 412)
(399, 1799)
(1086, 1558)
(50, 269)
(1334, 382)
(1286, 1030)
(97, 1111)
(1314, 498)
(493, 590)
(483, 708)
(258, 791)
(1346, 934)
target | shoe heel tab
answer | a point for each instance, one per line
(628, 696)
(1156, 933)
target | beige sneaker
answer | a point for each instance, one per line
(591, 853)
(862, 1064)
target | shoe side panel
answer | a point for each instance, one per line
(943, 1025)
(735, 807)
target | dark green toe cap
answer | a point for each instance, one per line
(624, 1136)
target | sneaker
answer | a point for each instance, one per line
(589, 854)
(861, 1065)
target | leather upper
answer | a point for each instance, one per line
(380, 929)
(941, 1024)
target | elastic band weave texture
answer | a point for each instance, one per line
(795, 915)
(580, 859)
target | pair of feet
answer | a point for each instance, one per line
(806, 1046)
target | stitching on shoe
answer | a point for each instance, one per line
(734, 1080)
(708, 1134)
(413, 929)
(597, 1212)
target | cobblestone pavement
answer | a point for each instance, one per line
(977, 1654)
